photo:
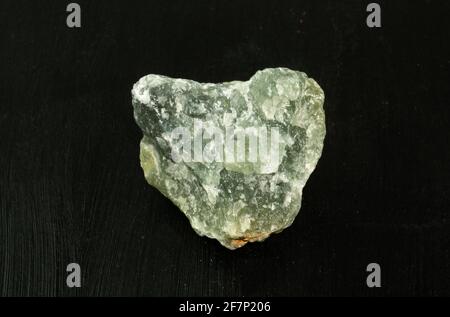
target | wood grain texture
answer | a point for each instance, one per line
(71, 189)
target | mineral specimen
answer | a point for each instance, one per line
(235, 156)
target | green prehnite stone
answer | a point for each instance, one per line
(235, 202)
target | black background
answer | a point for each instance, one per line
(72, 190)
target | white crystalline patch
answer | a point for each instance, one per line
(282, 178)
(228, 117)
(268, 109)
(277, 179)
(155, 80)
(227, 92)
(287, 200)
(179, 100)
(198, 225)
(288, 87)
(243, 88)
(162, 99)
(246, 221)
(275, 107)
(168, 137)
(171, 186)
(179, 107)
(235, 225)
(300, 117)
(180, 84)
(309, 167)
(212, 193)
(164, 114)
(271, 166)
(231, 229)
(141, 88)
(280, 104)
(262, 185)
(199, 108)
(182, 202)
(142, 95)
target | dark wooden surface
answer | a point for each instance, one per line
(71, 189)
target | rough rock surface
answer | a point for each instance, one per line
(234, 202)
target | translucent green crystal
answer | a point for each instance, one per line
(233, 201)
